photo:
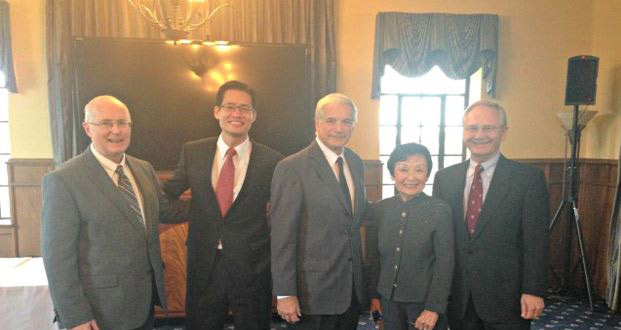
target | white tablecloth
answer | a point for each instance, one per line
(25, 301)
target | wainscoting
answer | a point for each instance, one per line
(596, 192)
(22, 238)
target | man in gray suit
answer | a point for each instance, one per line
(317, 200)
(99, 229)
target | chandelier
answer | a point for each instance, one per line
(176, 18)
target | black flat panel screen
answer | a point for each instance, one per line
(170, 91)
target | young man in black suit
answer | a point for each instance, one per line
(500, 213)
(228, 238)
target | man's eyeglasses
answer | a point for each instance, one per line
(109, 124)
(485, 128)
(243, 108)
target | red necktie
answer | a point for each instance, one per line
(226, 181)
(475, 200)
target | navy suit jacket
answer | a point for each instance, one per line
(507, 255)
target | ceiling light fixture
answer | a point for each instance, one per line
(176, 18)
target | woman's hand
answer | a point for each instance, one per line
(426, 320)
(376, 306)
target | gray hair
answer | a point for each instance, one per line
(335, 98)
(90, 109)
(491, 105)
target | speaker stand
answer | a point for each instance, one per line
(570, 205)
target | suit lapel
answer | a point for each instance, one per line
(499, 187)
(101, 180)
(254, 165)
(204, 169)
(457, 197)
(326, 175)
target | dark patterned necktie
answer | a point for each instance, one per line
(343, 181)
(125, 187)
(475, 200)
(226, 182)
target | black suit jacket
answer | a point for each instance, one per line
(508, 253)
(244, 230)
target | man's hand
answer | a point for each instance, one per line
(426, 320)
(532, 306)
(375, 305)
(289, 309)
(90, 325)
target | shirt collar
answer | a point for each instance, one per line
(240, 149)
(330, 155)
(106, 163)
(488, 165)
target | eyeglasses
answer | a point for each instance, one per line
(485, 128)
(243, 108)
(109, 124)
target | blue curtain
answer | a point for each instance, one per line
(414, 43)
(6, 55)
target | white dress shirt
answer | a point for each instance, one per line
(331, 157)
(110, 168)
(489, 166)
(240, 160)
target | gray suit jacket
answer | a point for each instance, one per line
(98, 258)
(508, 253)
(316, 249)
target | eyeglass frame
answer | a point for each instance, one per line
(109, 124)
(243, 108)
(473, 129)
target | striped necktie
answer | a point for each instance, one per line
(125, 187)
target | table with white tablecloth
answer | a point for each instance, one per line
(25, 301)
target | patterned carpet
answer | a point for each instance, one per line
(561, 313)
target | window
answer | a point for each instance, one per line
(426, 110)
(5, 154)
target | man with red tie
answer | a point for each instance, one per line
(228, 238)
(500, 213)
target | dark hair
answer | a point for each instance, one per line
(402, 152)
(234, 85)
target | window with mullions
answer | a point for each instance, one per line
(426, 110)
(5, 154)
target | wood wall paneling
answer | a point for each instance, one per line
(8, 246)
(597, 184)
(25, 177)
(596, 193)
